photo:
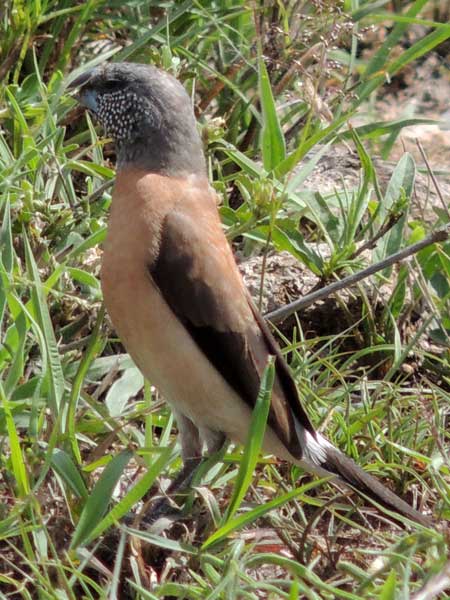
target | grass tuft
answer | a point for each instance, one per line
(288, 95)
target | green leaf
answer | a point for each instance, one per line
(124, 388)
(323, 135)
(160, 541)
(6, 257)
(93, 240)
(64, 466)
(356, 210)
(378, 128)
(169, 17)
(367, 9)
(273, 147)
(421, 47)
(98, 501)
(84, 277)
(94, 347)
(16, 369)
(319, 211)
(17, 460)
(135, 493)
(306, 169)
(249, 166)
(54, 372)
(397, 198)
(262, 509)
(418, 49)
(6, 243)
(388, 591)
(286, 236)
(379, 59)
(255, 439)
(397, 299)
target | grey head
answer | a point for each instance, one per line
(148, 114)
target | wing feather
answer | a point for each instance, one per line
(196, 273)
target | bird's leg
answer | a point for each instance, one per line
(216, 445)
(191, 451)
(214, 440)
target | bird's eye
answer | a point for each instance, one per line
(112, 85)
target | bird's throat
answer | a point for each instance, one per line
(157, 154)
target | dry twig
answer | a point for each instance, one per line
(278, 315)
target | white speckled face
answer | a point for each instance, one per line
(122, 113)
(148, 114)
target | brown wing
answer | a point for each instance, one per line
(198, 277)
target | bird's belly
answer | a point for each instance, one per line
(166, 354)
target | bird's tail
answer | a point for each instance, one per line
(333, 461)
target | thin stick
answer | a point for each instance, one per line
(278, 315)
(389, 224)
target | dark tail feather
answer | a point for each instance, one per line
(350, 473)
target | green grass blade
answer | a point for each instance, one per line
(161, 26)
(388, 591)
(39, 305)
(396, 199)
(273, 146)
(135, 493)
(97, 503)
(304, 573)
(378, 128)
(17, 459)
(323, 135)
(6, 243)
(255, 439)
(250, 516)
(15, 372)
(66, 469)
(421, 47)
(71, 37)
(95, 345)
(380, 58)
(161, 542)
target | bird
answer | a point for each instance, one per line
(174, 292)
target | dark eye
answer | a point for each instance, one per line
(112, 85)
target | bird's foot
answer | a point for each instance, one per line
(164, 510)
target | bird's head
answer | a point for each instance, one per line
(148, 114)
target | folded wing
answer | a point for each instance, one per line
(196, 273)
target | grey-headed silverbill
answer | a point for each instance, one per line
(173, 290)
